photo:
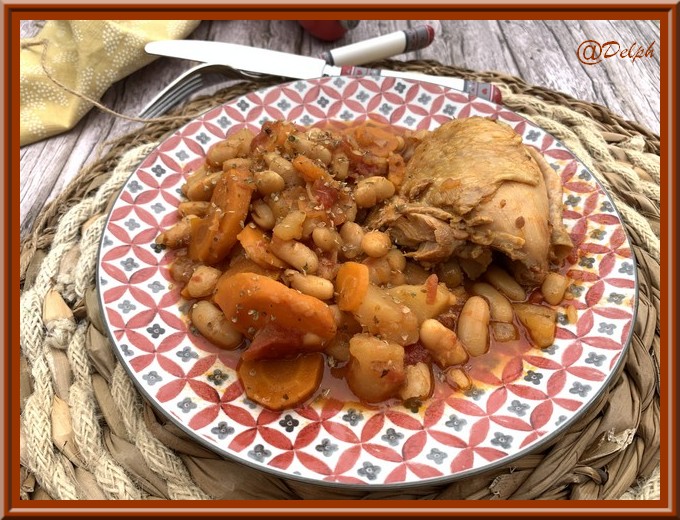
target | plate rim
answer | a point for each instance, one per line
(542, 443)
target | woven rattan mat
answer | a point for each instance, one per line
(87, 434)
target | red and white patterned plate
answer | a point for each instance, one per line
(522, 405)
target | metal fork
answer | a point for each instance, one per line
(196, 78)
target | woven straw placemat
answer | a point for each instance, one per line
(86, 433)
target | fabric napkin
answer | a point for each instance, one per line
(88, 56)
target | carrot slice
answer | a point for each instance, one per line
(203, 232)
(254, 243)
(211, 243)
(278, 384)
(351, 283)
(310, 170)
(253, 301)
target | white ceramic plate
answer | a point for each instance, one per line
(525, 401)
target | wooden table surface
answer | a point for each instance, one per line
(540, 52)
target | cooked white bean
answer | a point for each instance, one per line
(473, 325)
(309, 284)
(505, 283)
(372, 190)
(376, 244)
(327, 239)
(268, 182)
(503, 332)
(351, 234)
(237, 144)
(284, 168)
(458, 379)
(202, 282)
(572, 315)
(178, 235)
(296, 254)
(418, 384)
(339, 166)
(315, 151)
(442, 343)
(553, 288)
(202, 188)
(211, 322)
(290, 227)
(396, 259)
(499, 306)
(263, 215)
(379, 270)
(237, 162)
(198, 208)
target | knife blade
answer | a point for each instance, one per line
(287, 65)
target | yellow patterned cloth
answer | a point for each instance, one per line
(88, 56)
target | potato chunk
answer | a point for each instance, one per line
(376, 368)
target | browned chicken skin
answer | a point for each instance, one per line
(471, 188)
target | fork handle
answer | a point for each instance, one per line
(483, 90)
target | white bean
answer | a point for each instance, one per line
(290, 227)
(268, 182)
(202, 282)
(499, 306)
(339, 166)
(284, 168)
(553, 288)
(236, 145)
(309, 284)
(418, 383)
(396, 259)
(351, 234)
(505, 283)
(473, 325)
(372, 190)
(211, 322)
(376, 244)
(442, 343)
(327, 239)
(314, 151)
(296, 254)
(263, 215)
(458, 379)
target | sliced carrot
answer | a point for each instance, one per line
(203, 232)
(310, 170)
(230, 202)
(254, 242)
(278, 384)
(351, 284)
(253, 301)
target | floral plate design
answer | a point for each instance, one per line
(524, 404)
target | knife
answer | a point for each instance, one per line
(286, 65)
